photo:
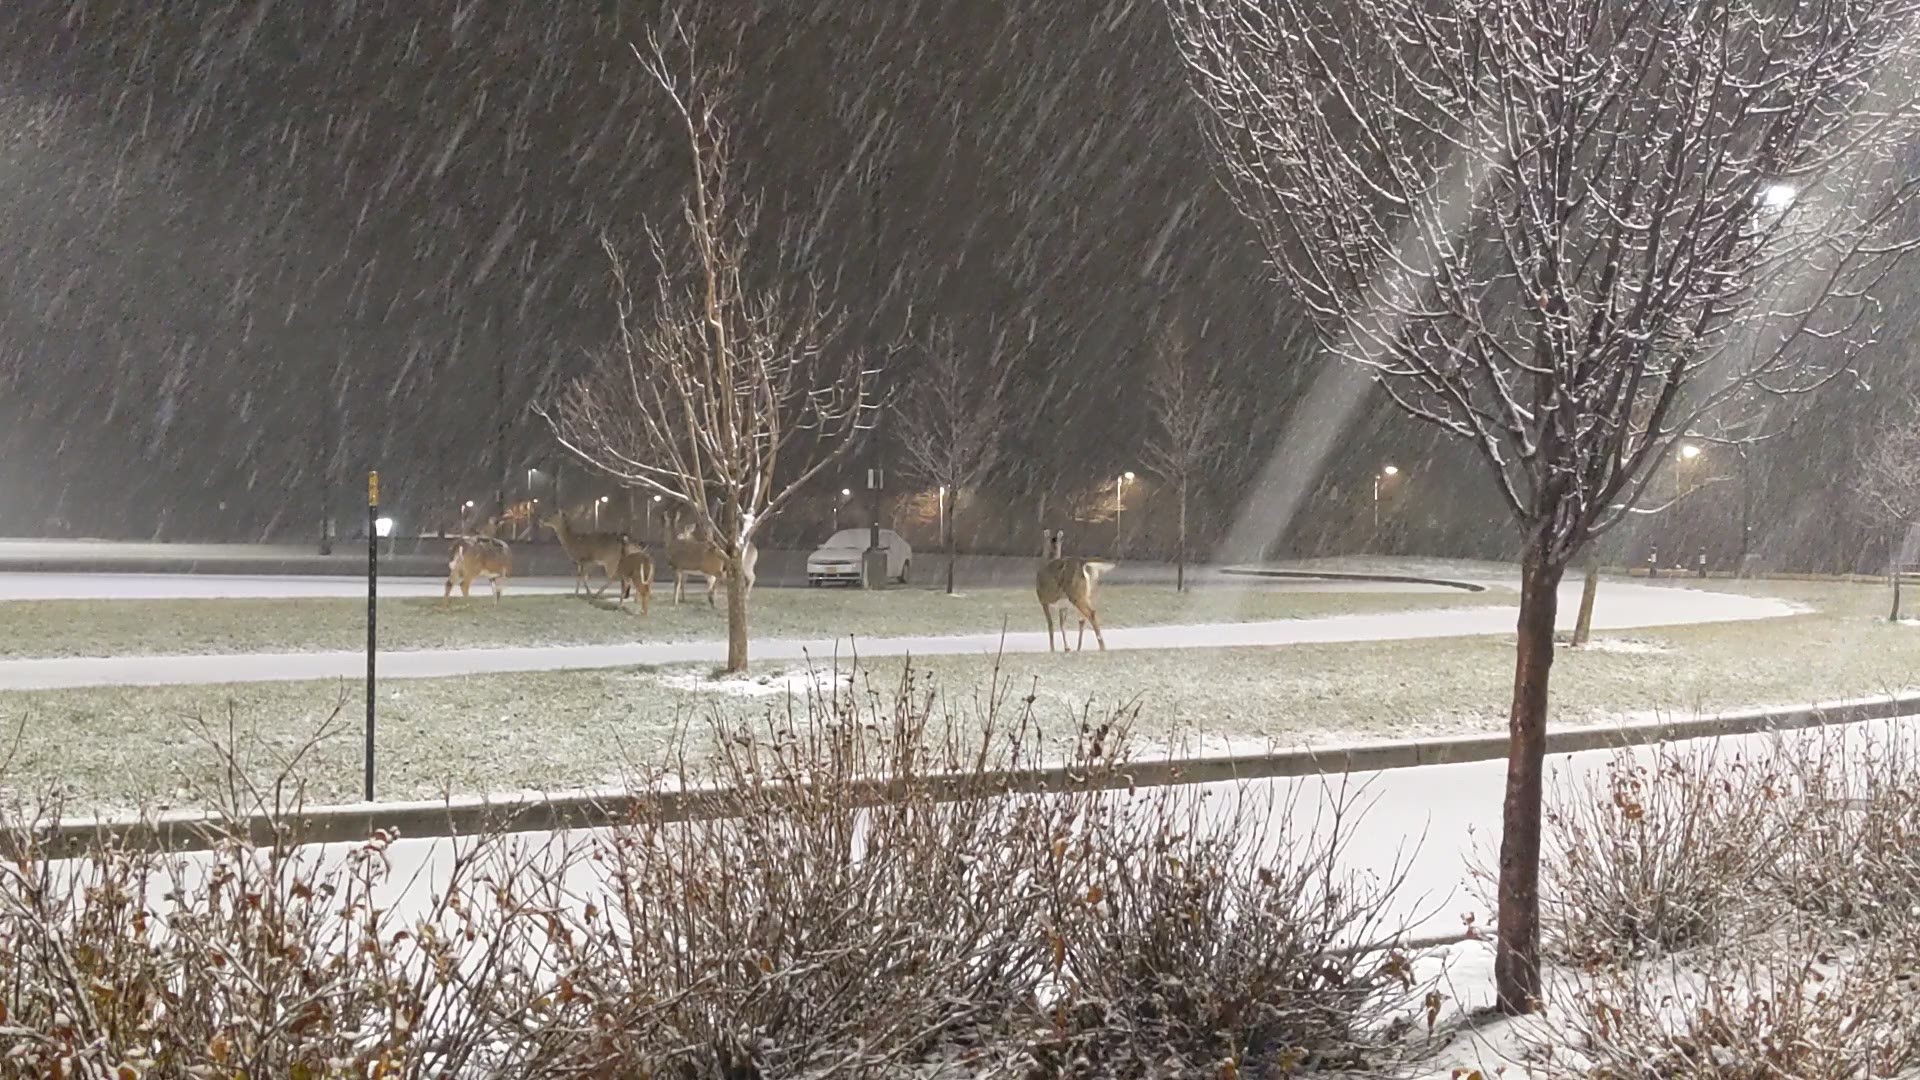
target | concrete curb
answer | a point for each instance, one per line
(473, 815)
(1342, 575)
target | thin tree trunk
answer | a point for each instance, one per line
(1894, 615)
(1583, 627)
(1516, 965)
(951, 556)
(736, 617)
(1180, 563)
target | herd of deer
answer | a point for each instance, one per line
(1060, 582)
(618, 556)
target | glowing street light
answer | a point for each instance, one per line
(1777, 197)
(1387, 473)
(1689, 451)
(383, 527)
(597, 504)
(942, 501)
(1119, 503)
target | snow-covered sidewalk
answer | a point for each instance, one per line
(1622, 606)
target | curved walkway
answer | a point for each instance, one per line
(1623, 606)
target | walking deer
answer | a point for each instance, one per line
(474, 557)
(636, 575)
(1061, 581)
(689, 555)
(601, 549)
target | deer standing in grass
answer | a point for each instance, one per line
(690, 555)
(636, 575)
(601, 549)
(474, 557)
(1061, 581)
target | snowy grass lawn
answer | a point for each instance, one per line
(52, 628)
(533, 730)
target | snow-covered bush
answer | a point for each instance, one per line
(858, 886)
(1221, 937)
(1852, 851)
(1781, 1006)
(1657, 856)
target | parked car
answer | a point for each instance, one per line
(839, 558)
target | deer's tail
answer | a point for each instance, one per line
(1093, 568)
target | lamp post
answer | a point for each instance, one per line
(845, 494)
(1119, 504)
(597, 504)
(1387, 473)
(942, 501)
(650, 503)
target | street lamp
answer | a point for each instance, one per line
(597, 504)
(943, 513)
(1119, 503)
(1777, 197)
(845, 494)
(1681, 462)
(1387, 473)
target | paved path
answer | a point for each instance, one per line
(72, 585)
(1622, 606)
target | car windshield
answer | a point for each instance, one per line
(847, 538)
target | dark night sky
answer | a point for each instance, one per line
(213, 214)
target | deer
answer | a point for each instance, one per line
(473, 557)
(689, 555)
(601, 549)
(1061, 581)
(636, 575)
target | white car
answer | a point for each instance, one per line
(839, 558)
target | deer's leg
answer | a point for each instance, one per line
(499, 583)
(604, 585)
(1088, 615)
(712, 584)
(646, 593)
(1048, 612)
(446, 595)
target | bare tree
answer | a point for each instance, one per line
(953, 426)
(724, 399)
(1190, 410)
(1569, 234)
(1887, 488)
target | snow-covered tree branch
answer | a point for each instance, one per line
(1570, 234)
(952, 425)
(724, 398)
(1190, 410)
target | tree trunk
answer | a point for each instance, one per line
(736, 617)
(1894, 615)
(1516, 965)
(1583, 627)
(1180, 560)
(947, 518)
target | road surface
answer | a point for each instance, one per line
(1625, 606)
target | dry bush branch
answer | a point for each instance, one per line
(1652, 857)
(1220, 936)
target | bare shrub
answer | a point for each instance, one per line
(1741, 1011)
(1852, 851)
(248, 960)
(1220, 936)
(1655, 857)
(857, 892)
(866, 884)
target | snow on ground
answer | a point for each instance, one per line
(1428, 826)
(55, 586)
(1626, 647)
(1627, 606)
